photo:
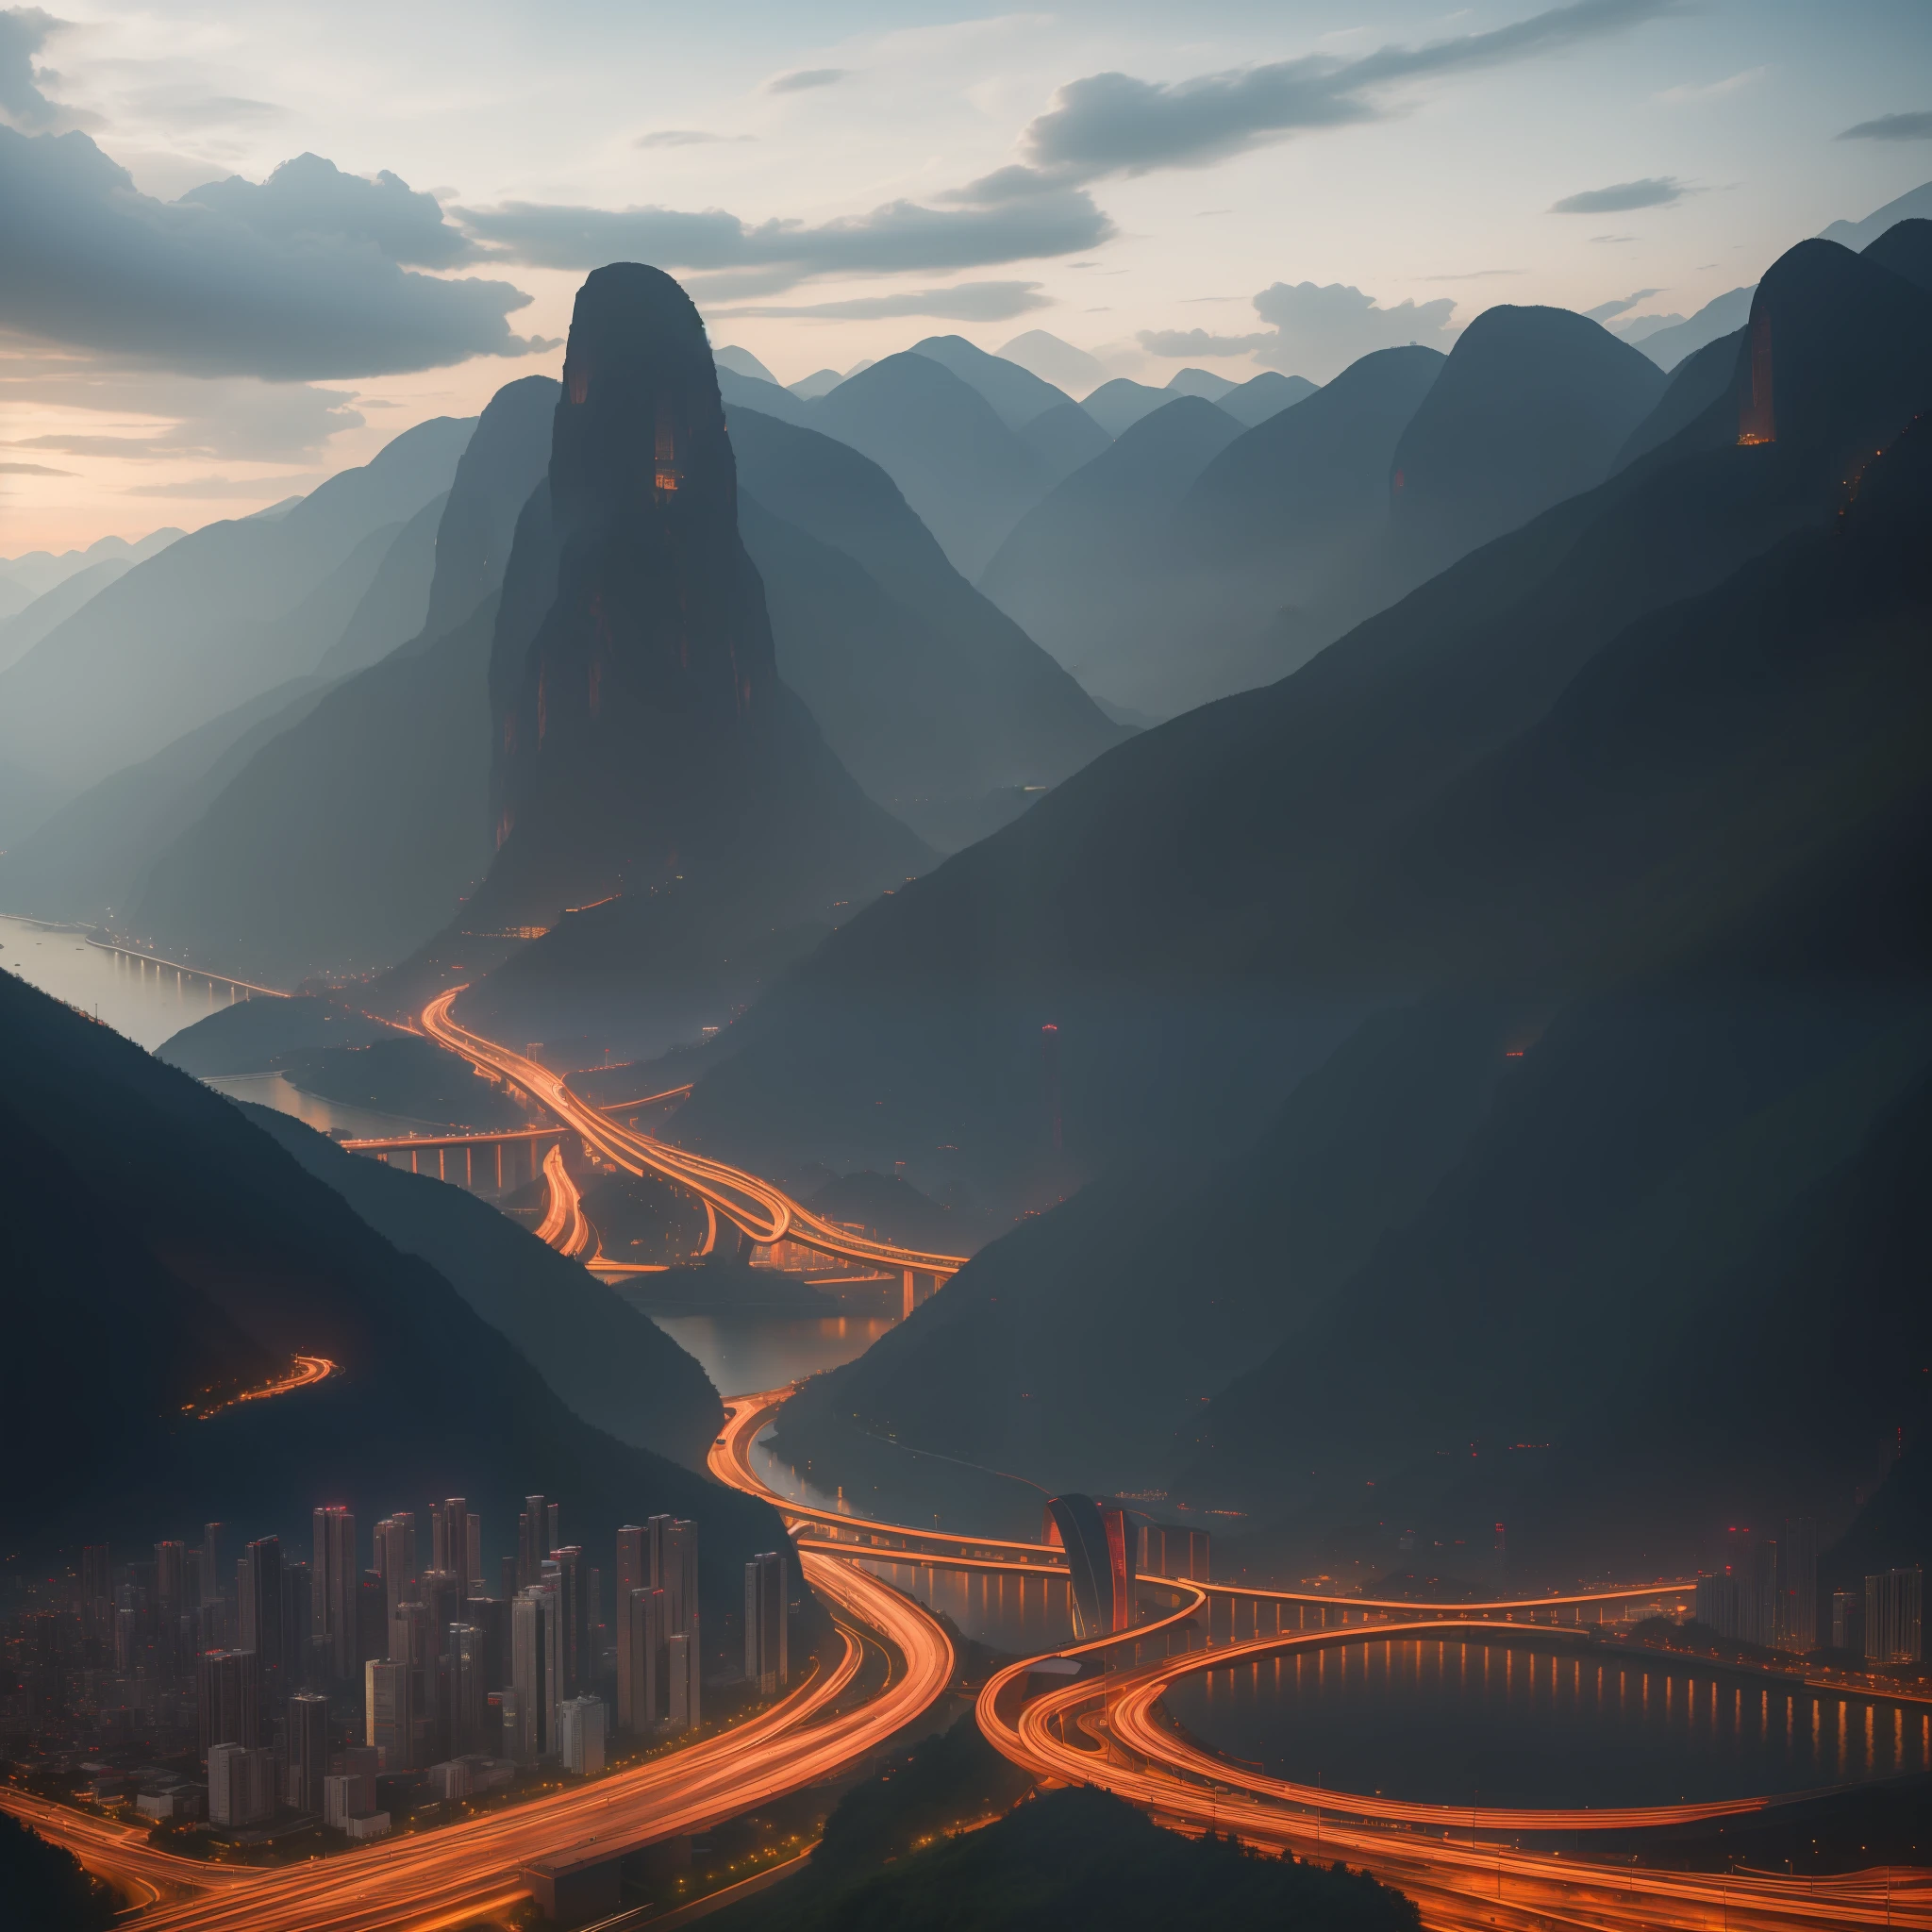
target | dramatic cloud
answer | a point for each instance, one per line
(1112, 124)
(213, 285)
(309, 199)
(685, 137)
(1606, 311)
(23, 32)
(805, 78)
(966, 302)
(1891, 128)
(901, 237)
(1658, 191)
(1315, 331)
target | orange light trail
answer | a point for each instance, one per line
(308, 1370)
(564, 1226)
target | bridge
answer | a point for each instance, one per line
(764, 1213)
(237, 988)
(501, 1176)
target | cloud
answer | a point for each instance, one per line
(1605, 311)
(685, 137)
(901, 237)
(181, 104)
(1315, 331)
(1712, 90)
(217, 285)
(1656, 191)
(311, 199)
(1112, 124)
(805, 79)
(31, 470)
(964, 302)
(1890, 128)
(23, 32)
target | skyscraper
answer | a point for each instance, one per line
(262, 1622)
(537, 1668)
(241, 1785)
(228, 1701)
(580, 1735)
(473, 1583)
(169, 1578)
(766, 1597)
(395, 1559)
(566, 1569)
(452, 1540)
(676, 1552)
(212, 1558)
(335, 1588)
(307, 1750)
(680, 1669)
(532, 1526)
(1892, 1610)
(390, 1713)
(641, 1636)
(469, 1685)
(633, 1562)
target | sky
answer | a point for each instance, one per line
(243, 246)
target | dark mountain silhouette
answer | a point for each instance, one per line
(1087, 572)
(227, 1259)
(1117, 405)
(1063, 439)
(967, 473)
(747, 392)
(1905, 249)
(931, 697)
(1915, 205)
(1642, 780)
(1695, 384)
(214, 619)
(644, 750)
(1531, 407)
(1264, 395)
(277, 889)
(393, 608)
(1669, 348)
(252, 1035)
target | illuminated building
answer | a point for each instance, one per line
(580, 1735)
(535, 1673)
(469, 1685)
(1099, 1561)
(335, 1589)
(241, 1785)
(765, 1603)
(227, 1700)
(680, 1670)
(307, 1750)
(675, 1553)
(565, 1572)
(450, 1537)
(1892, 1631)
(395, 1559)
(633, 1560)
(1848, 1620)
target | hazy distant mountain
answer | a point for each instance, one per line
(229, 1259)
(89, 859)
(1637, 791)
(1915, 205)
(820, 382)
(1053, 361)
(1086, 571)
(213, 619)
(1117, 405)
(21, 632)
(393, 608)
(1264, 395)
(646, 757)
(1017, 395)
(969, 476)
(939, 704)
(1199, 382)
(1905, 249)
(1695, 383)
(263, 880)
(743, 362)
(1063, 439)
(1531, 407)
(748, 391)
(1669, 347)
(38, 572)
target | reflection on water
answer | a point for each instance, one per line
(273, 1089)
(148, 1003)
(746, 1353)
(1019, 1615)
(1521, 1723)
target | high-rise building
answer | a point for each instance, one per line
(681, 1675)
(212, 1558)
(473, 1583)
(676, 1550)
(169, 1578)
(307, 1750)
(537, 1668)
(1758, 1605)
(1848, 1620)
(1714, 1602)
(389, 1715)
(241, 1785)
(262, 1622)
(633, 1562)
(490, 1615)
(553, 1529)
(580, 1735)
(336, 1589)
(531, 1545)
(640, 1668)
(469, 1685)
(767, 1596)
(297, 1618)
(227, 1700)
(395, 1559)
(452, 1540)
(565, 1569)
(1797, 1584)
(1892, 1629)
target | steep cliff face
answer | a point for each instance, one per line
(639, 731)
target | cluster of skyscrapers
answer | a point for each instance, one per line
(1768, 1594)
(297, 1683)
